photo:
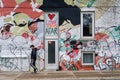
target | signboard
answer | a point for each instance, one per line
(51, 25)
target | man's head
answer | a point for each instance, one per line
(32, 46)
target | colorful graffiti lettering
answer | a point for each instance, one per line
(51, 31)
(52, 24)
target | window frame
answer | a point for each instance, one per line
(93, 24)
(88, 52)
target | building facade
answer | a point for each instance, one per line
(70, 34)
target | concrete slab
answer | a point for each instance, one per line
(62, 75)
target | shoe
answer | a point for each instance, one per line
(36, 70)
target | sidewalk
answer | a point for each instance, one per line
(62, 75)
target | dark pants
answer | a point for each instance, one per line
(33, 64)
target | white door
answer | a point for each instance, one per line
(51, 54)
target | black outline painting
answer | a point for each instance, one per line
(66, 12)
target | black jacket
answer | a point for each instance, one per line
(33, 53)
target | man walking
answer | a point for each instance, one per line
(33, 57)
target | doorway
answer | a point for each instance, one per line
(51, 40)
(51, 54)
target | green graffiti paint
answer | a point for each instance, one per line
(90, 3)
(117, 28)
(74, 37)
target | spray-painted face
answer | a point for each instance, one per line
(21, 24)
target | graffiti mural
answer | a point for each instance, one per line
(20, 27)
(22, 24)
(105, 44)
(106, 47)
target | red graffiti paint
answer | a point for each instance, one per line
(33, 27)
(25, 35)
(32, 38)
(41, 46)
(52, 24)
(99, 36)
(8, 7)
(51, 16)
(25, 7)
